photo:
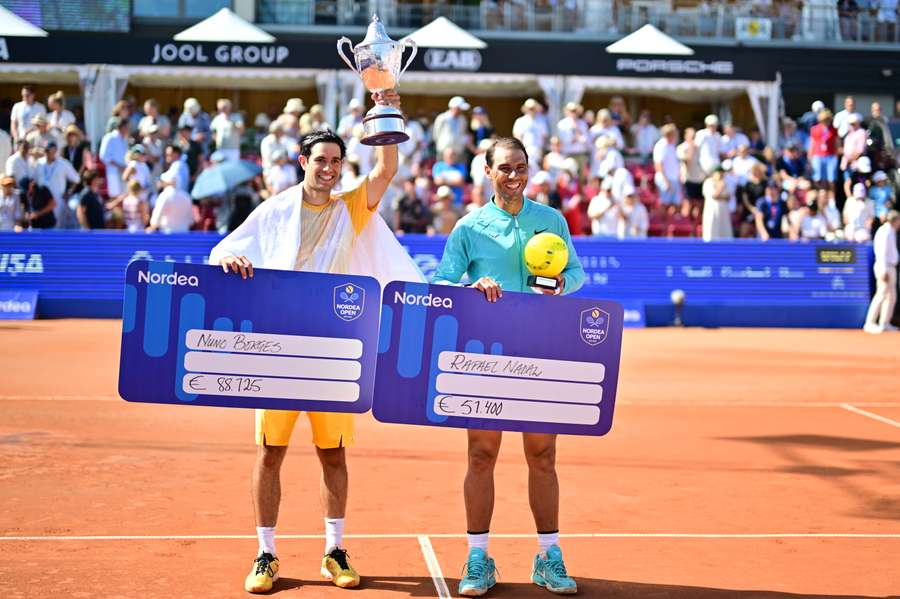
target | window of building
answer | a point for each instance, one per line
(178, 9)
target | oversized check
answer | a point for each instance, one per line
(448, 357)
(282, 340)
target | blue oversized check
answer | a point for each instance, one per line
(282, 340)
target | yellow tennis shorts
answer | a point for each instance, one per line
(329, 430)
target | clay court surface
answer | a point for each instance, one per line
(742, 463)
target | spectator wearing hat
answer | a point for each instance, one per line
(709, 145)
(20, 166)
(11, 208)
(450, 172)
(480, 127)
(445, 215)
(823, 151)
(59, 177)
(771, 211)
(58, 118)
(532, 130)
(450, 129)
(353, 117)
(76, 149)
(137, 170)
(23, 113)
(667, 176)
(811, 117)
(716, 212)
(645, 135)
(39, 136)
(113, 153)
(314, 120)
(692, 174)
(574, 135)
(882, 195)
(634, 220)
(294, 107)
(90, 210)
(878, 318)
(604, 125)
(197, 119)
(859, 214)
(227, 128)
(842, 118)
(280, 175)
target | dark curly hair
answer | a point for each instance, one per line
(321, 137)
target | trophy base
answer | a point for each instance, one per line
(384, 126)
(548, 283)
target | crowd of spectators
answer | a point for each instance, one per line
(828, 176)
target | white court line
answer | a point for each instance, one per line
(672, 404)
(871, 415)
(593, 535)
(434, 567)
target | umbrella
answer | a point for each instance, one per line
(218, 179)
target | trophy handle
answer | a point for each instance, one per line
(340, 51)
(411, 45)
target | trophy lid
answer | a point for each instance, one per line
(376, 34)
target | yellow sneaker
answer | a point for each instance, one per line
(263, 574)
(338, 570)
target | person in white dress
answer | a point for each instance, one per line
(113, 151)
(709, 145)
(716, 214)
(878, 318)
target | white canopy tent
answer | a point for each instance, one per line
(224, 26)
(12, 25)
(649, 40)
(444, 33)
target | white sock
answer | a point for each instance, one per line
(547, 540)
(478, 540)
(334, 534)
(266, 536)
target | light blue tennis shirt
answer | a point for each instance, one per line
(490, 242)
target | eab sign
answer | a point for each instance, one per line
(437, 59)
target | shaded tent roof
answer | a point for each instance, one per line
(444, 33)
(649, 40)
(224, 26)
(13, 25)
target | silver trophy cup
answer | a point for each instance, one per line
(377, 61)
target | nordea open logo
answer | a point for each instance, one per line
(158, 278)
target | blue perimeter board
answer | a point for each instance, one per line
(518, 324)
(156, 317)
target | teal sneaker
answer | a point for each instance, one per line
(550, 572)
(479, 574)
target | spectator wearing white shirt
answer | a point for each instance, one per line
(743, 163)
(113, 150)
(363, 155)
(574, 134)
(532, 130)
(709, 145)
(19, 166)
(410, 151)
(605, 125)
(58, 176)
(137, 170)
(177, 174)
(645, 135)
(152, 118)
(813, 225)
(272, 142)
(878, 318)
(174, 210)
(227, 128)
(554, 160)
(622, 180)
(859, 212)
(6, 148)
(451, 128)
(11, 209)
(667, 166)
(58, 118)
(604, 212)
(353, 117)
(732, 139)
(39, 136)
(24, 112)
(607, 158)
(841, 120)
(634, 220)
(280, 175)
(479, 176)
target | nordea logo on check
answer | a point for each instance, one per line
(349, 301)
(158, 278)
(423, 300)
